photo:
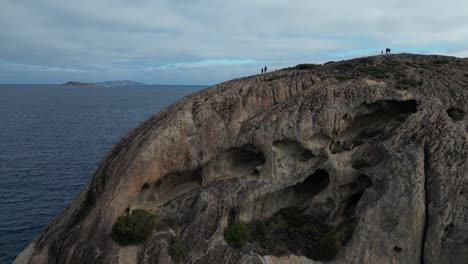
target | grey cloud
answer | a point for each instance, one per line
(123, 39)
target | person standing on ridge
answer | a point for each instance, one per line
(265, 69)
(381, 52)
(262, 70)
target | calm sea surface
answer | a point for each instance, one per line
(51, 141)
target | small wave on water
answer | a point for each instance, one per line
(52, 139)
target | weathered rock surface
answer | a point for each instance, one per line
(238, 149)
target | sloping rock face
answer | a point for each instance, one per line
(367, 139)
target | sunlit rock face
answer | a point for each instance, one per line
(366, 141)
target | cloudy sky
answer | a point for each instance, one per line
(209, 41)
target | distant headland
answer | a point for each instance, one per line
(103, 84)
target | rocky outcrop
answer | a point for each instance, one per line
(367, 140)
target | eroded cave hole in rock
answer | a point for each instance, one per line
(313, 184)
(293, 149)
(298, 195)
(354, 192)
(237, 162)
(283, 224)
(373, 121)
(305, 155)
(154, 194)
(289, 155)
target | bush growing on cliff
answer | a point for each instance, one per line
(343, 77)
(304, 66)
(289, 231)
(177, 250)
(405, 84)
(134, 228)
(237, 235)
(360, 164)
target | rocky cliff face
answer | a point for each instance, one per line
(367, 141)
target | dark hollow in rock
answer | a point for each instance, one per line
(373, 121)
(234, 163)
(397, 249)
(296, 151)
(313, 184)
(456, 114)
(298, 195)
(305, 156)
(168, 188)
(288, 147)
(145, 186)
(354, 191)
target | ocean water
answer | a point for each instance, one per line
(51, 140)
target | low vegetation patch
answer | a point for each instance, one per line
(177, 250)
(391, 63)
(376, 72)
(274, 77)
(289, 231)
(405, 84)
(237, 235)
(342, 77)
(345, 66)
(441, 61)
(305, 66)
(360, 164)
(456, 114)
(134, 228)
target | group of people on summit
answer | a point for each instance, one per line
(387, 51)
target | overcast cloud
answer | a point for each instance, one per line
(209, 41)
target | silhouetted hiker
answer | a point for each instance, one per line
(381, 52)
(265, 68)
(389, 51)
(262, 70)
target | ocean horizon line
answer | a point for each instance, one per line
(146, 84)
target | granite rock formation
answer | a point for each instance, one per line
(368, 139)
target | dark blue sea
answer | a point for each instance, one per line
(52, 139)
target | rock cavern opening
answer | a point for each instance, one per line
(354, 192)
(237, 162)
(299, 195)
(154, 194)
(374, 121)
(313, 184)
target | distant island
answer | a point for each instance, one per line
(103, 84)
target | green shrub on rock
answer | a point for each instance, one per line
(134, 228)
(360, 164)
(342, 77)
(177, 250)
(288, 231)
(305, 66)
(237, 235)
